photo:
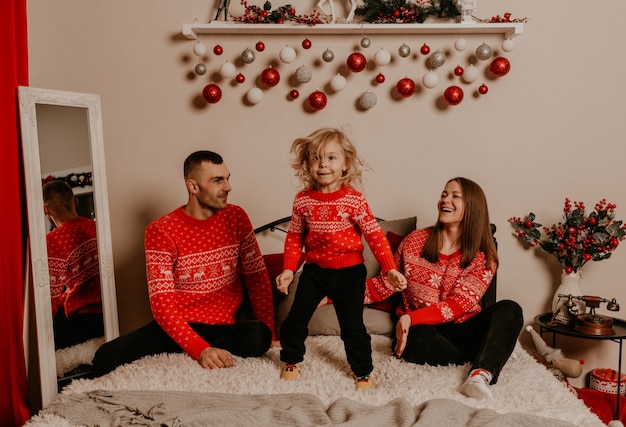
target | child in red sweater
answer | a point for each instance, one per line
(328, 218)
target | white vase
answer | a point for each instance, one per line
(570, 285)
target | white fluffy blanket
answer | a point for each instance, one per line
(524, 386)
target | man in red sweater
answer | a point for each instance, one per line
(198, 260)
(74, 268)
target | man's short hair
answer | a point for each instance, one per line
(196, 159)
(58, 194)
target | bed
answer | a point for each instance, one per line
(173, 390)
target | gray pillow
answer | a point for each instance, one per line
(401, 227)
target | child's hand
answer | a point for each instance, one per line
(397, 279)
(283, 281)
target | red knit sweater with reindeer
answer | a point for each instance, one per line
(329, 227)
(436, 293)
(74, 268)
(195, 270)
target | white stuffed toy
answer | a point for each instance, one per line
(561, 366)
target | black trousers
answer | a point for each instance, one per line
(246, 339)
(346, 288)
(486, 340)
(77, 328)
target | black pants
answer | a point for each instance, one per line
(346, 288)
(77, 328)
(486, 339)
(247, 339)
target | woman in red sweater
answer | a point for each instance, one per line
(328, 218)
(448, 268)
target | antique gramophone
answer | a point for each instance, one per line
(591, 323)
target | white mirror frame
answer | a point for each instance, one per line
(29, 97)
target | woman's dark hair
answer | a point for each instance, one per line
(475, 228)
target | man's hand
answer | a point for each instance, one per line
(402, 333)
(283, 281)
(397, 279)
(212, 357)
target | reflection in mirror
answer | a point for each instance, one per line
(70, 245)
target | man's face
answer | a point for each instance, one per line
(212, 185)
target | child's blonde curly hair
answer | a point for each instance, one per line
(315, 144)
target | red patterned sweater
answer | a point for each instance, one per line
(73, 267)
(436, 293)
(329, 226)
(194, 269)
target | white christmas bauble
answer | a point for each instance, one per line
(338, 83)
(287, 54)
(254, 95)
(382, 57)
(368, 100)
(199, 49)
(508, 45)
(470, 74)
(228, 70)
(430, 79)
(460, 44)
(303, 74)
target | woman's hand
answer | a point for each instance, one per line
(402, 333)
(397, 279)
(283, 281)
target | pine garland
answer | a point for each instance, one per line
(405, 11)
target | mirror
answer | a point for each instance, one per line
(62, 140)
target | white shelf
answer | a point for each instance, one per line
(508, 30)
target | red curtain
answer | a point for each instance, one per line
(14, 409)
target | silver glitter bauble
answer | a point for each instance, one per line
(437, 59)
(201, 69)
(483, 52)
(368, 100)
(328, 55)
(303, 74)
(404, 50)
(365, 42)
(247, 56)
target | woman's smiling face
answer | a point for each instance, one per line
(451, 206)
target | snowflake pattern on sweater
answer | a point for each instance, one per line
(329, 227)
(195, 268)
(436, 293)
(73, 266)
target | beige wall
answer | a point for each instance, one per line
(550, 129)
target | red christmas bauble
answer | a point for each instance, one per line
(306, 43)
(453, 95)
(425, 49)
(483, 89)
(317, 100)
(405, 87)
(218, 50)
(380, 78)
(356, 62)
(260, 46)
(294, 94)
(240, 78)
(212, 93)
(500, 66)
(270, 77)
(458, 70)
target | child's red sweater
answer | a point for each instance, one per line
(194, 269)
(329, 227)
